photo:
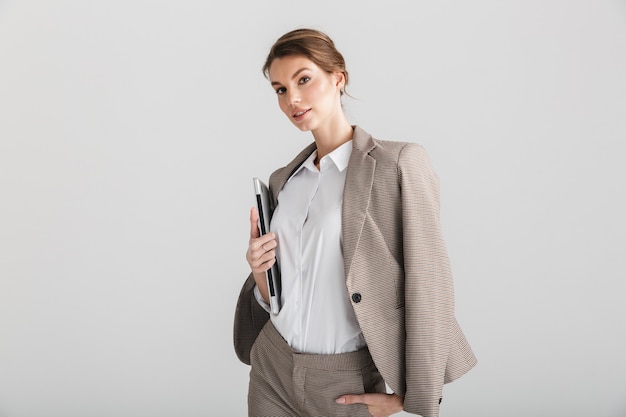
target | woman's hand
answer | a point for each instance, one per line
(261, 254)
(378, 404)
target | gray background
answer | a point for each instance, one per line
(129, 134)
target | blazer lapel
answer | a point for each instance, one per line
(356, 193)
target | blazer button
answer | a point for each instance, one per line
(356, 297)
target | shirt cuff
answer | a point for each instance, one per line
(260, 300)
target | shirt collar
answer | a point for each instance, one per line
(340, 157)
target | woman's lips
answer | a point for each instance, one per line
(300, 114)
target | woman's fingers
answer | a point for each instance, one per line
(254, 223)
(268, 243)
(263, 263)
(260, 245)
(261, 253)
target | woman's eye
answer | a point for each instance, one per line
(281, 90)
(304, 80)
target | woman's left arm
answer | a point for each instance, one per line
(429, 293)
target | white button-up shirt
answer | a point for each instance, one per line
(316, 314)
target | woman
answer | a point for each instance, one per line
(367, 294)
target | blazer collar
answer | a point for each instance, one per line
(362, 140)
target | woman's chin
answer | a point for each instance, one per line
(305, 127)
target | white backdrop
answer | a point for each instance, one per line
(129, 134)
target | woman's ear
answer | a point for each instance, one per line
(340, 82)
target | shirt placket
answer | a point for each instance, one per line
(303, 271)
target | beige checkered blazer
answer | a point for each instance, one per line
(396, 261)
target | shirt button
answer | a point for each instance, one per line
(356, 297)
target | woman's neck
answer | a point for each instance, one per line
(331, 137)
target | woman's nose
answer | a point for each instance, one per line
(293, 98)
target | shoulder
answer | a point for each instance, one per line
(408, 159)
(366, 142)
(398, 152)
(397, 149)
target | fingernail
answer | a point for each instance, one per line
(340, 400)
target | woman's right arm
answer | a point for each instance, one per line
(250, 314)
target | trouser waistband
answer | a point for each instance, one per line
(337, 361)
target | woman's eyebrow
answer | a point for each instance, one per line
(295, 74)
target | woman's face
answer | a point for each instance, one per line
(308, 95)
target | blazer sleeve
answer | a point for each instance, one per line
(429, 294)
(250, 318)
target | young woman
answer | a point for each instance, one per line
(367, 293)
